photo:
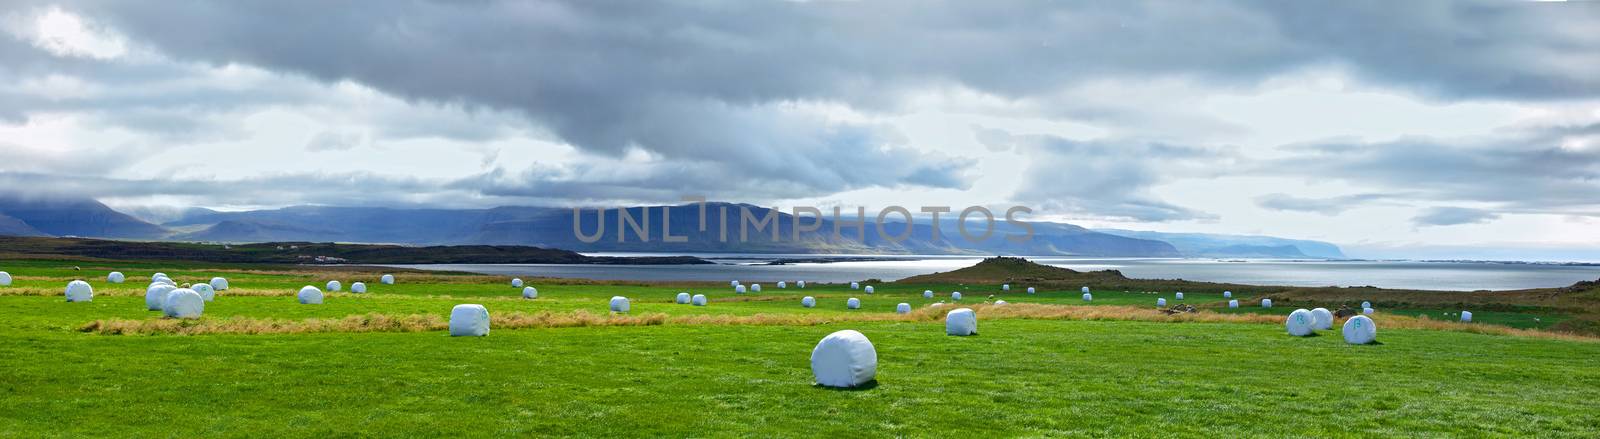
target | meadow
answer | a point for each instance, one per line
(1046, 364)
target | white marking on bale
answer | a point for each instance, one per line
(1360, 330)
(801, 284)
(1005, 287)
(927, 294)
(1227, 294)
(869, 289)
(205, 291)
(808, 301)
(79, 291)
(1088, 297)
(1161, 301)
(1368, 311)
(853, 303)
(1030, 290)
(844, 359)
(1084, 289)
(1366, 304)
(1300, 323)
(516, 283)
(334, 285)
(183, 303)
(619, 304)
(1179, 295)
(955, 295)
(783, 285)
(469, 320)
(903, 308)
(698, 300)
(530, 293)
(1233, 303)
(387, 279)
(755, 288)
(1000, 302)
(1266, 303)
(309, 295)
(855, 285)
(739, 289)
(1466, 316)
(683, 299)
(116, 277)
(1323, 318)
(156, 295)
(5, 279)
(961, 321)
(358, 287)
(219, 284)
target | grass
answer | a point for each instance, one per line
(380, 364)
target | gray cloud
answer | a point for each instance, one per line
(1450, 216)
(1110, 178)
(1331, 206)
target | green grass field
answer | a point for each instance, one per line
(1019, 377)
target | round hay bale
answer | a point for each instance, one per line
(733, 283)
(1084, 289)
(183, 303)
(79, 291)
(116, 277)
(358, 288)
(1466, 316)
(1360, 330)
(738, 289)
(469, 320)
(853, 303)
(927, 294)
(156, 295)
(683, 299)
(309, 295)
(1233, 303)
(903, 308)
(1266, 303)
(855, 285)
(869, 289)
(844, 359)
(955, 295)
(164, 281)
(1000, 302)
(755, 288)
(1300, 323)
(159, 275)
(801, 284)
(783, 285)
(808, 302)
(620, 304)
(936, 304)
(961, 321)
(516, 283)
(1161, 301)
(334, 285)
(387, 279)
(1366, 304)
(1368, 311)
(1227, 294)
(1088, 297)
(219, 284)
(1005, 287)
(1324, 318)
(1030, 290)
(530, 293)
(205, 291)
(1179, 296)
(5, 279)
(698, 300)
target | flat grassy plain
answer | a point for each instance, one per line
(664, 371)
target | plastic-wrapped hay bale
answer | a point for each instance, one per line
(1366, 304)
(516, 283)
(1000, 302)
(869, 289)
(855, 285)
(683, 299)
(698, 300)
(619, 304)
(1233, 303)
(1324, 318)
(1084, 289)
(156, 295)
(801, 284)
(1030, 290)
(1266, 303)
(927, 294)
(469, 320)
(961, 321)
(1161, 301)
(808, 301)
(1088, 297)
(334, 285)
(387, 279)
(309, 295)
(1368, 311)
(853, 303)
(783, 285)
(733, 283)
(164, 281)
(844, 359)
(358, 287)
(79, 291)
(183, 303)
(1466, 316)
(936, 304)
(5, 279)
(205, 291)
(158, 275)
(116, 277)
(903, 308)
(1227, 294)
(1179, 296)
(1300, 323)
(755, 288)
(955, 295)
(530, 293)
(1005, 287)
(219, 284)
(739, 289)
(1360, 330)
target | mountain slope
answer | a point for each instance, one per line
(76, 217)
(1218, 245)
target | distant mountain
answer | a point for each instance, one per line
(71, 217)
(1240, 246)
(15, 227)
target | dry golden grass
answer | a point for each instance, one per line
(103, 292)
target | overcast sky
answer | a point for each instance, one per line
(1393, 128)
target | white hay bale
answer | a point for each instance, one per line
(844, 359)
(219, 284)
(853, 303)
(808, 301)
(334, 285)
(869, 289)
(955, 295)
(1030, 290)
(1368, 311)
(205, 291)
(1266, 303)
(1366, 304)
(733, 283)
(1360, 330)
(1088, 297)
(927, 294)
(116, 277)
(1227, 294)
(387, 279)
(1233, 303)
(619, 304)
(309, 295)
(358, 288)
(783, 285)
(961, 321)
(1179, 296)
(469, 320)
(530, 293)
(1466, 316)
(156, 295)
(158, 275)
(738, 289)
(755, 288)
(1000, 302)
(698, 300)
(937, 304)
(855, 285)
(1161, 301)
(1005, 287)
(903, 308)
(683, 299)
(5, 279)
(183, 303)
(801, 284)
(1084, 289)
(79, 291)
(1300, 323)
(1323, 318)
(164, 281)
(516, 283)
